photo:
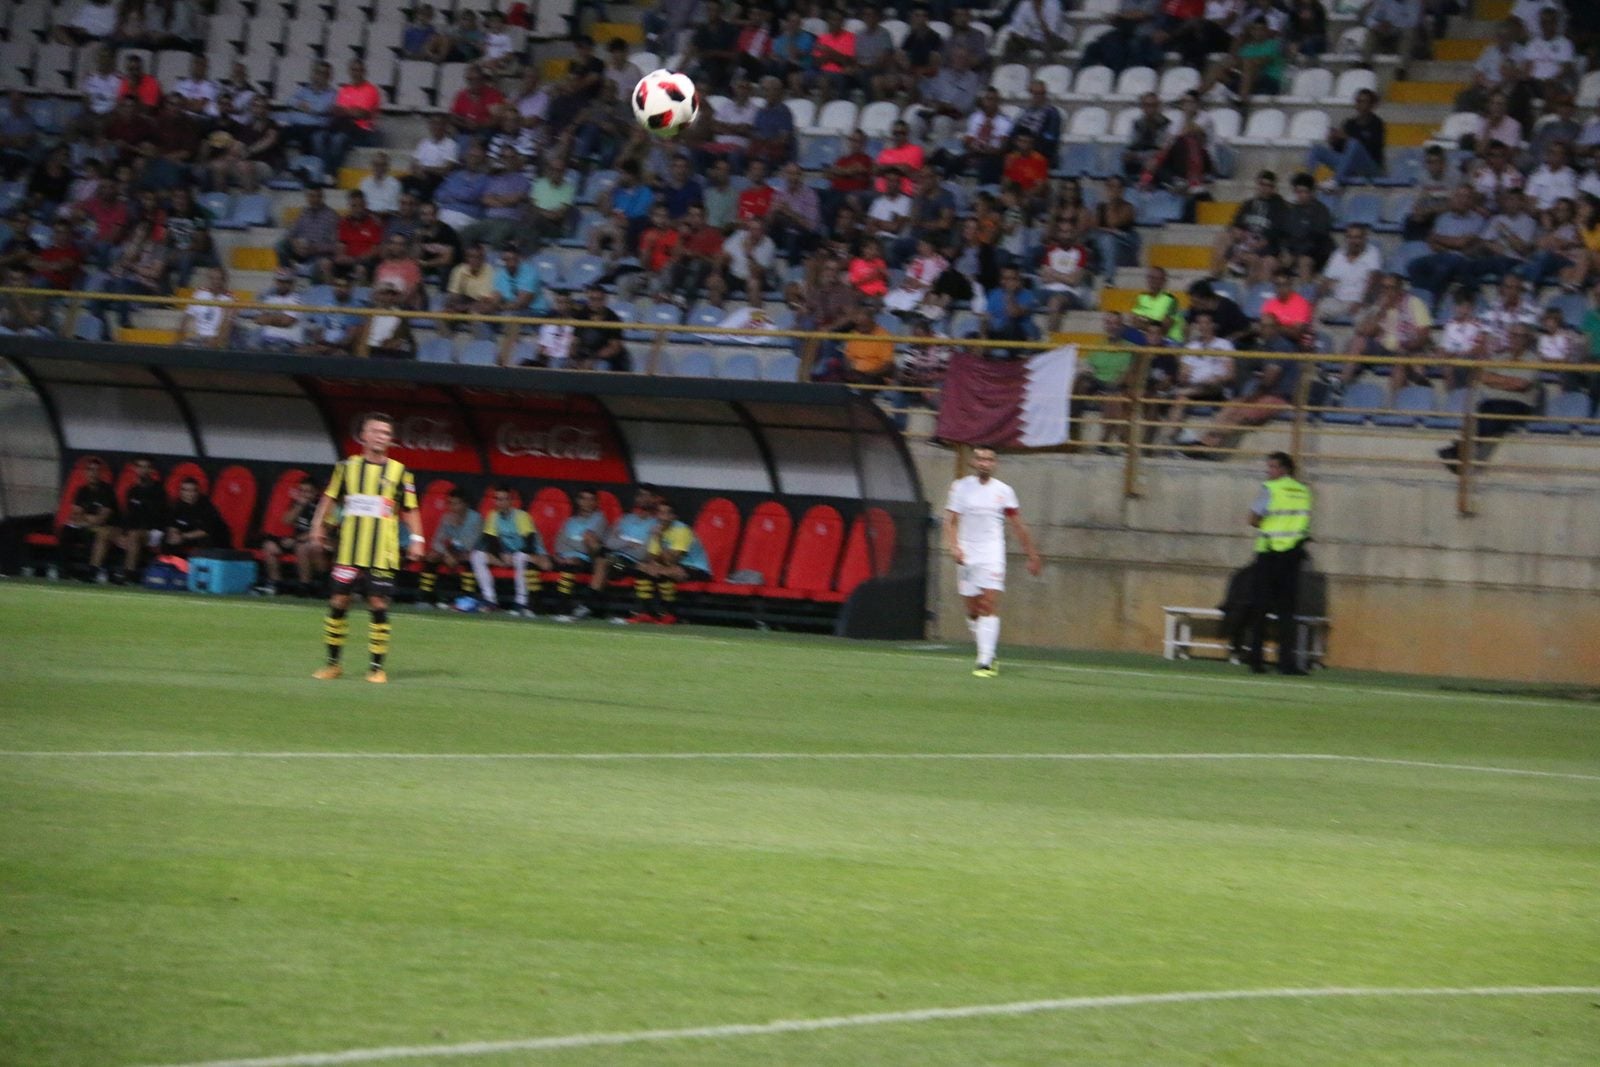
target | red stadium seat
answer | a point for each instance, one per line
(176, 476)
(815, 556)
(126, 481)
(717, 527)
(609, 505)
(75, 480)
(235, 499)
(765, 545)
(550, 508)
(278, 503)
(868, 553)
(486, 505)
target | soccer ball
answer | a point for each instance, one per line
(665, 103)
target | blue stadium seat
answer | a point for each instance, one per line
(599, 183)
(1360, 395)
(1395, 210)
(480, 353)
(1365, 208)
(1411, 404)
(552, 270)
(1560, 414)
(252, 209)
(437, 350)
(220, 207)
(89, 327)
(706, 315)
(1077, 159)
(741, 368)
(1257, 296)
(785, 368)
(585, 271)
(1401, 259)
(1448, 415)
(694, 365)
(1573, 308)
(1404, 167)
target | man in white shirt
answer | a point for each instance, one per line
(1500, 66)
(555, 342)
(1347, 278)
(381, 188)
(1036, 24)
(1554, 180)
(207, 325)
(733, 121)
(1529, 12)
(1202, 377)
(985, 140)
(748, 255)
(102, 87)
(976, 514)
(280, 329)
(888, 214)
(94, 20)
(199, 92)
(434, 156)
(1550, 56)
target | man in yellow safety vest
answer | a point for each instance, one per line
(1281, 515)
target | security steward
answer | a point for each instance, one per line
(1281, 515)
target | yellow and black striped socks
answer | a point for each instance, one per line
(666, 596)
(378, 631)
(426, 585)
(644, 589)
(334, 630)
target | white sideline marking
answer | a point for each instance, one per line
(1322, 689)
(601, 757)
(887, 1018)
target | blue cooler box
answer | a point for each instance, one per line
(222, 576)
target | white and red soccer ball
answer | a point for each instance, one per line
(666, 103)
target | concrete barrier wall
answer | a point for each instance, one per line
(1512, 592)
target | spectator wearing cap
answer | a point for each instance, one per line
(280, 328)
(397, 265)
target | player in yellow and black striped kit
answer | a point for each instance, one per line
(376, 495)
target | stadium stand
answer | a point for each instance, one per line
(241, 145)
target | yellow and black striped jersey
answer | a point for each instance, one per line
(372, 497)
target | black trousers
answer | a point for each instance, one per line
(1279, 583)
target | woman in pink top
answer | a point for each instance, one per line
(869, 271)
(352, 122)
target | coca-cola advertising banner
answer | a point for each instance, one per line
(428, 438)
(556, 445)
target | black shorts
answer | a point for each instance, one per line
(619, 562)
(571, 563)
(695, 574)
(369, 581)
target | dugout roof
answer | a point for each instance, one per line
(781, 438)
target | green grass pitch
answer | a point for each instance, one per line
(208, 857)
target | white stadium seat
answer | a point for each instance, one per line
(1589, 90)
(1057, 78)
(837, 116)
(1225, 123)
(1308, 127)
(1458, 126)
(1093, 83)
(1266, 127)
(1352, 82)
(1311, 86)
(802, 111)
(1177, 81)
(1089, 122)
(878, 117)
(1134, 83)
(1011, 81)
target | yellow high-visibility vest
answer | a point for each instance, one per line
(1288, 518)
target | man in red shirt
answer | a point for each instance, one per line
(1292, 310)
(756, 199)
(835, 55)
(1025, 166)
(360, 233)
(849, 176)
(901, 152)
(139, 85)
(693, 259)
(110, 212)
(352, 121)
(658, 242)
(476, 106)
(59, 264)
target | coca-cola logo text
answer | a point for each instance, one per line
(419, 433)
(557, 442)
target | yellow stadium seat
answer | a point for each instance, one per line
(1180, 257)
(146, 335)
(254, 259)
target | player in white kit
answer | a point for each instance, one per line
(976, 513)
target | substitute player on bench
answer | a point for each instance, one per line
(975, 518)
(376, 494)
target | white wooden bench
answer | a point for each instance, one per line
(1178, 639)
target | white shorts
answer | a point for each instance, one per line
(974, 578)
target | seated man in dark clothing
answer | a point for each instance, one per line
(1307, 231)
(91, 522)
(599, 348)
(193, 522)
(146, 511)
(1226, 314)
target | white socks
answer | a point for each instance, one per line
(972, 627)
(987, 630)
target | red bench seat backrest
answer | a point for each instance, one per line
(434, 503)
(278, 503)
(817, 541)
(717, 527)
(550, 508)
(176, 476)
(235, 500)
(766, 541)
(75, 480)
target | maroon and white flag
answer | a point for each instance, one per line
(1008, 403)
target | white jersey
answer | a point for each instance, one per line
(983, 507)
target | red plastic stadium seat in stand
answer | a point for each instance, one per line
(815, 556)
(717, 527)
(609, 505)
(235, 499)
(75, 480)
(278, 503)
(177, 475)
(868, 553)
(550, 508)
(765, 544)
